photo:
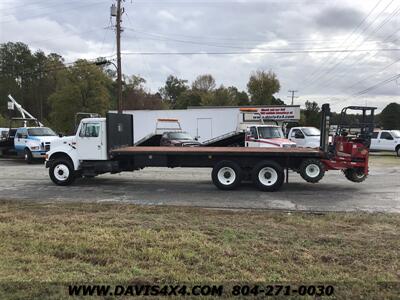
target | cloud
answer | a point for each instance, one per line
(339, 18)
(77, 30)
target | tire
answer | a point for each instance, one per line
(62, 172)
(355, 175)
(226, 175)
(268, 176)
(28, 156)
(312, 170)
(398, 151)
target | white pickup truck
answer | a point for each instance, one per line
(306, 137)
(33, 142)
(386, 140)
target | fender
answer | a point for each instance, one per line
(65, 150)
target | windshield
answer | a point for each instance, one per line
(41, 131)
(270, 132)
(311, 131)
(180, 136)
(396, 133)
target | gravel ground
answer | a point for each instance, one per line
(193, 187)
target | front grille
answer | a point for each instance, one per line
(47, 146)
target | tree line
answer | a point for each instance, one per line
(53, 90)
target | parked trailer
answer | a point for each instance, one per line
(105, 145)
(207, 123)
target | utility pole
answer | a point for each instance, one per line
(292, 91)
(117, 12)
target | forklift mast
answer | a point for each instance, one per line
(325, 123)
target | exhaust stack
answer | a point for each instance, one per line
(324, 126)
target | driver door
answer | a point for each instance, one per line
(89, 141)
(386, 142)
(298, 137)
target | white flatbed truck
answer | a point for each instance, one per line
(106, 145)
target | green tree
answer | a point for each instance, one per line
(204, 83)
(82, 87)
(173, 88)
(262, 86)
(312, 114)
(390, 116)
(135, 95)
(3, 122)
(240, 97)
(29, 77)
(188, 98)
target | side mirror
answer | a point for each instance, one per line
(60, 135)
(196, 138)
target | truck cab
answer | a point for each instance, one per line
(306, 137)
(33, 142)
(386, 140)
(269, 136)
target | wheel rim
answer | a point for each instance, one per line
(61, 172)
(226, 176)
(312, 170)
(359, 174)
(268, 176)
(26, 156)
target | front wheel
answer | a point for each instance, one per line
(28, 156)
(62, 172)
(398, 151)
(355, 175)
(268, 176)
(226, 175)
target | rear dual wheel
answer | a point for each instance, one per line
(226, 175)
(268, 176)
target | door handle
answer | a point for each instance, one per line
(98, 147)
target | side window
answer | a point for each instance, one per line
(90, 130)
(386, 135)
(253, 132)
(293, 134)
(22, 133)
(374, 135)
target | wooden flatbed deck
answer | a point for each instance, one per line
(282, 152)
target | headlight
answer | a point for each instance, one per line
(35, 148)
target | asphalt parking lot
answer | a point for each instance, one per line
(193, 187)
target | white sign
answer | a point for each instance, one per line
(277, 113)
(10, 105)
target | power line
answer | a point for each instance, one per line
(382, 83)
(329, 79)
(318, 69)
(368, 77)
(218, 45)
(331, 69)
(258, 52)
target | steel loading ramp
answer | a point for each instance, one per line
(231, 139)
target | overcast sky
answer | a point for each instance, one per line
(305, 33)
